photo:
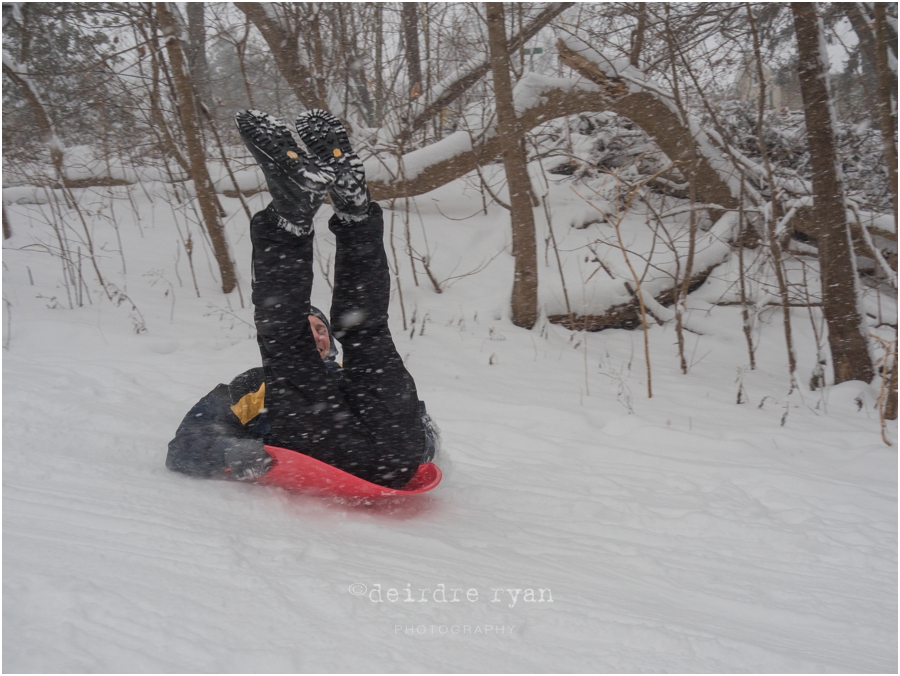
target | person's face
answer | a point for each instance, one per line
(320, 333)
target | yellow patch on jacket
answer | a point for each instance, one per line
(250, 405)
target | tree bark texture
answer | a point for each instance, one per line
(410, 17)
(283, 47)
(866, 46)
(637, 44)
(515, 163)
(190, 121)
(890, 409)
(885, 98)
(840, 291)
(867, 17)
(199, 66)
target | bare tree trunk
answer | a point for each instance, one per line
(198, 68)
(515, 162)
(638, 35)
(149, 32)
(283, 47)
(457, 88)
(890, 409)
(315, 29)
(197, 53)
(409, 15)
(840, 284)
(355, 70)
(191, 123)
(885, 112)
(866, 45)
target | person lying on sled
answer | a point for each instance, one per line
(363, 417)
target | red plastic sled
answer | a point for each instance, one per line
(298, 472)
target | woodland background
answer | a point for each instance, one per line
(719, 111)
(643, 263)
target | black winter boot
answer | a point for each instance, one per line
(297, 181)
(327, 140)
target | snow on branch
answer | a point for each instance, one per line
(537, 98)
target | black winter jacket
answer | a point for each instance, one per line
(235, 414)
(229, 414)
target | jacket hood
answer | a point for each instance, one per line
(316, 312)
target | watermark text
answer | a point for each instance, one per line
(454, 629)
(441, 593)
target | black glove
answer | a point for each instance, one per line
(297, 181)
(325, 137)
(246, 459)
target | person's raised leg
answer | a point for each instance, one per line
(305, 406)
(379, 389)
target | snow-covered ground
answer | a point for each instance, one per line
(583, 526)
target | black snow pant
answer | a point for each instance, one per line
(366, 420)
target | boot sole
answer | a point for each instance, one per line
(272, 146)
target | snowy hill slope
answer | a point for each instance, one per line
(679, 533)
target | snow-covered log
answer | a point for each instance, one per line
(613, 86)
(538, 98)
(712, 249)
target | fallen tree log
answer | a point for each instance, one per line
(626, 315)
(803, 223)
(538, 99)
(648, 106)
